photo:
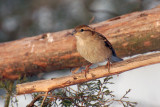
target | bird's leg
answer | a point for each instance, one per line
(86, 69)
(108, 65)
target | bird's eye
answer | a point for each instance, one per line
(81, 30)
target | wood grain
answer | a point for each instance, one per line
(130, 34)
(116, 68)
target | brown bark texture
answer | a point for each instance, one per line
(130, 34)
(116, 68)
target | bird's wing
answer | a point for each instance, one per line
(107, 43)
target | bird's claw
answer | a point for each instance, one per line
(85, 72)
(108, 66)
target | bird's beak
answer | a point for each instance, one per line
(73, 32)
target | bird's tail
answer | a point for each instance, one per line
(115, 59)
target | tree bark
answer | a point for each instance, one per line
(130, 34)
(116, 68)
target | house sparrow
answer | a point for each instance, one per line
(94, 47)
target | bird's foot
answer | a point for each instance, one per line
(86, 70)
(108, 65)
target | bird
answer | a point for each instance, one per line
(94, 47)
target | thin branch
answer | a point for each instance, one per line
(46, 94)
(116, 68)
(35, 99)
(124, 96)
(9, 93)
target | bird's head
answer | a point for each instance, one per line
(82, 31)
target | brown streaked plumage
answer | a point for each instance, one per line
(93, 46)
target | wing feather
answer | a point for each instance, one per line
(107, 43)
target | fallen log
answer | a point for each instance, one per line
(130, 34)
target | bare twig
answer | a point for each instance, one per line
(46, 94)
(35, 99)
(48, 85)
